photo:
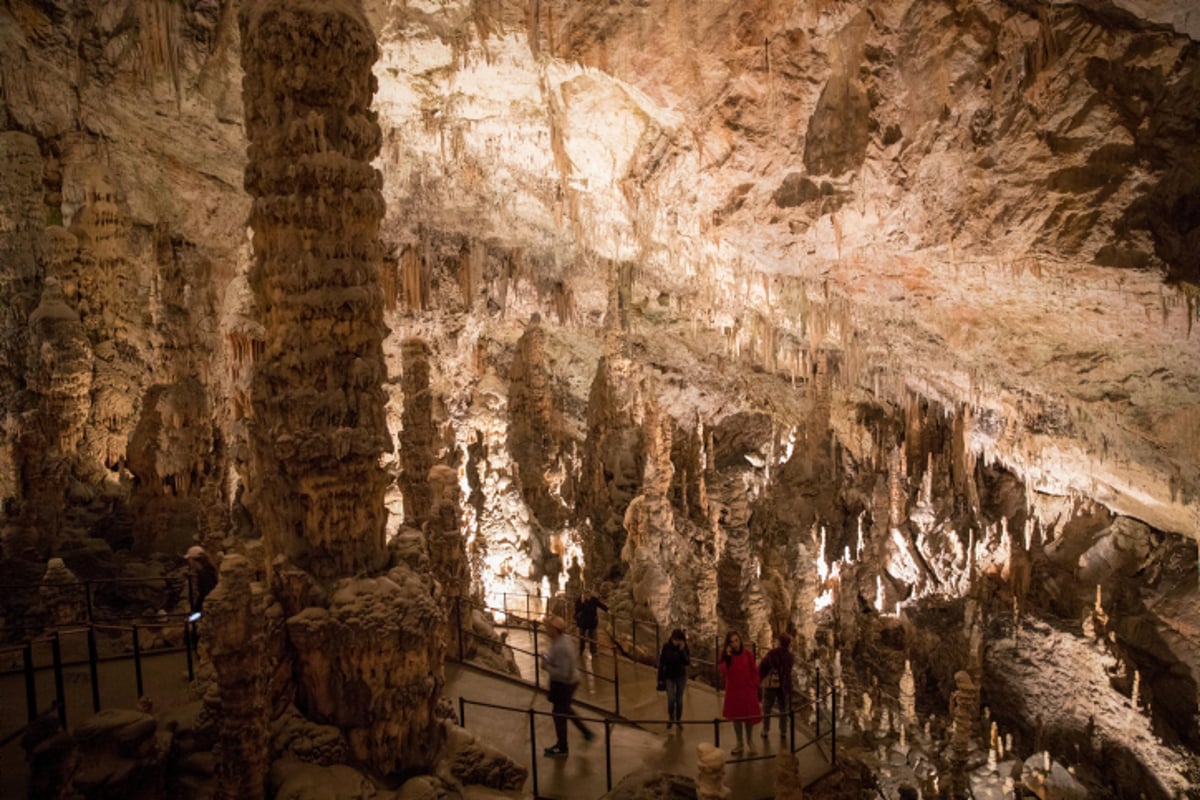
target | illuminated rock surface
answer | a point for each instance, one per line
(819, 315)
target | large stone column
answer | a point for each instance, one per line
(367, 657)
(318, 406)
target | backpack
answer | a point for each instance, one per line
(771, 680)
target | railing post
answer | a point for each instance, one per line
(716, 657)
(30, 682)
(187, 648)
(817, 702)
(633, 646)
(93, 668)
(657, 642)
(616, 683)
(528, 613)
(191, 590)
(533, 752)
(462, 711)
(137, 660)
(87, 594)
(833, 731)
(607, 755)
(504, 603)
(716, 732)
(537, 661)
(56, 656)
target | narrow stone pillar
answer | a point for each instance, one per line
(235, 632)
(416, 435)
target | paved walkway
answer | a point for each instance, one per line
(636, 740)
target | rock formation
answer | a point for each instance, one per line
(365, 659)
(319, 426)
(858, 320)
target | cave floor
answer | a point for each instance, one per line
(638, 743)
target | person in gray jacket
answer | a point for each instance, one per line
(559, 662)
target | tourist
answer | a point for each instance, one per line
(740, 675)
(203, 574)
(775, 678)
(587, 619)
(559, 662)
(672, 675)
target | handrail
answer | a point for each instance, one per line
(58, 664)
(710, 674)
(609, 723)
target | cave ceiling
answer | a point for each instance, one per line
(994, 206)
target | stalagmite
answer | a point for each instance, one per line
(319, 427)
(710, 773)
(416, 435)
(233, 626)
(365, 661)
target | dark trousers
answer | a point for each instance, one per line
(775, 699)
(560, 696)
(587, 638)
(675, 697)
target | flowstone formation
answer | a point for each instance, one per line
(365, 661)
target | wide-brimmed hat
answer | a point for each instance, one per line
(196, 551)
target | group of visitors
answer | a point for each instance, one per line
(745, 684)
(754, 692)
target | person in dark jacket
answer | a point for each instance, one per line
(775, 678)
(203, 575)
(587, 619)
(672, 674)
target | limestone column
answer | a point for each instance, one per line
(235, 632)
(416, 436)
(317, 488)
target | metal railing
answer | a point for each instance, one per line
(58, 664)
(90, 590)
(788, 717)
(620, 627)
(535, 629)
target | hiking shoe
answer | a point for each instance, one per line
(588, 735)
(556, 751)
(737, 751)
(764, 733)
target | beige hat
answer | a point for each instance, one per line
(556, 622)
(196, 551)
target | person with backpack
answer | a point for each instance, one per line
(775, 678)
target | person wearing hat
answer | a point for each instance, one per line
(775, 678)
(672, 675)
(559, 662)
(203, 575)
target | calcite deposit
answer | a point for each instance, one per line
(873, 321)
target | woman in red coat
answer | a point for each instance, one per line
(740, 674)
